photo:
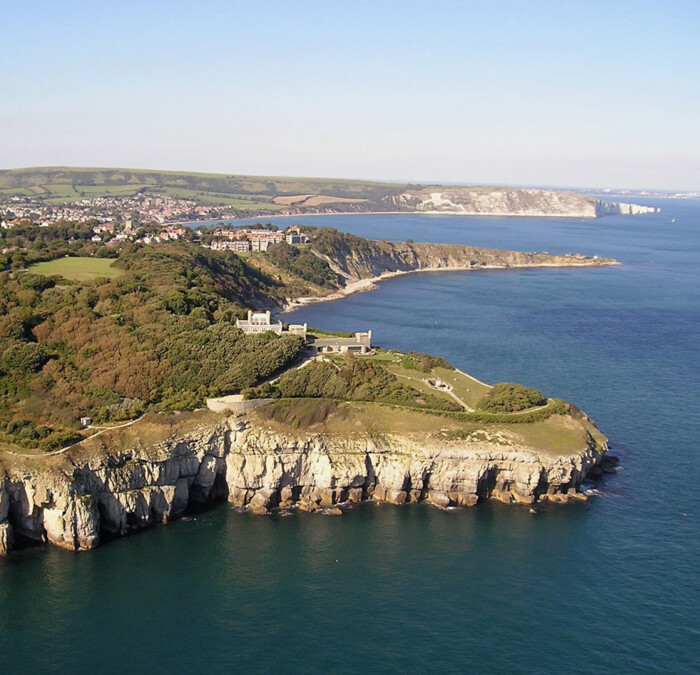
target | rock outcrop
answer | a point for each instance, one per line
(622, 208)
(76, 499)
(509, 201)
(265, 471)
(379, 258)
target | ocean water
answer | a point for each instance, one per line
(607, 586)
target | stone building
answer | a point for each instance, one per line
(360, 344)
(261, 322)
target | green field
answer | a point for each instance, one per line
(470, 390)
(245, 193)
(78, 269)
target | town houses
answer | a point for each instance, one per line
(157, 209)
(243, 240)
(141, 220)
(167, 234)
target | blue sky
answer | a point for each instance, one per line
(533, 92)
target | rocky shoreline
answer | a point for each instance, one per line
(362, 273)
(77, 499)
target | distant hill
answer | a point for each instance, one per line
(265, 193)
(269, 195)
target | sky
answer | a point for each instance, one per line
(566, 93)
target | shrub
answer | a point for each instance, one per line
(506, 397)
(303, 263)
(58, 440)
(24, 358)
(423, 363)
(265, 390)
(357, 380)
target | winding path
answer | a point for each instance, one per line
(445, 390)
(72, 445)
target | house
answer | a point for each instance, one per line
(86, 421)
(261, 322)
(360, 344)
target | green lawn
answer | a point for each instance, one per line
(417, 382)
(471, 391)
(464, 386)
(78, 269)
(467, 388)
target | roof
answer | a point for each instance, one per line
(329, 342)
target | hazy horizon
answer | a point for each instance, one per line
(540, 94)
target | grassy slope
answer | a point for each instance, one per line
(78, 269)
(560, 435)
(129, 310)
(68, 183)
(464, 386)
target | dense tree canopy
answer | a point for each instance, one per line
(303, 263)
(163, 334)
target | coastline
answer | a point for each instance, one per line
(370, 284)
(201, 223)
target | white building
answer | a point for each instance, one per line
(261, 322)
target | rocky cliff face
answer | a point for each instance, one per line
(74, 500)
(498, 202)
(384, 257)
(620, 208)
(505, 201)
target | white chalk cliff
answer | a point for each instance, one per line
(534, 202)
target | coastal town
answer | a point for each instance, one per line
(147, 221)
(139, 208)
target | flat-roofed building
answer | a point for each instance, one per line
(360, 344)
(294, 238)
(261, 322)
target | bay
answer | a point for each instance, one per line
(608, 586)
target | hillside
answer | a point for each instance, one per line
(355, 258)
(153, 327)
(344, 430)
(269, 195)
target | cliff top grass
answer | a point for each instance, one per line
(157, 331)
(78, 269)
(556, 436)
(469, 389)
(407, 368)
(143, 435)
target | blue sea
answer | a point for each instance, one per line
(607, 586)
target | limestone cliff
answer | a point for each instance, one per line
(106, 489)
(507, 201)
(377, 258)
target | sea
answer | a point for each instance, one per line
(611, 585)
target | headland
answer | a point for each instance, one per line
(105, 370)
